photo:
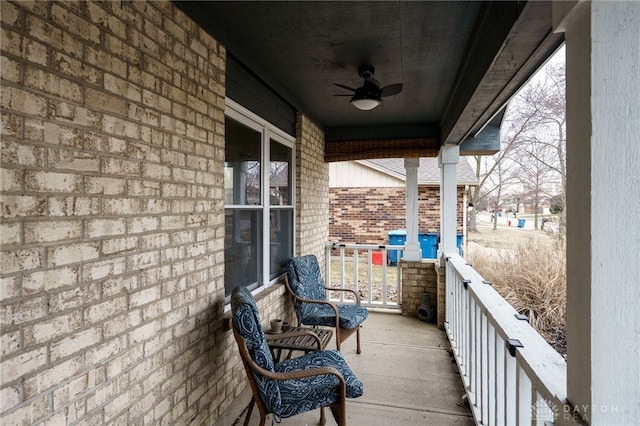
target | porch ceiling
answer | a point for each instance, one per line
(459, 62)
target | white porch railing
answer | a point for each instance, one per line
(512, 376)
(365, 268)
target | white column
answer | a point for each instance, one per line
(603, 209)
(448, 162)
(412, 250)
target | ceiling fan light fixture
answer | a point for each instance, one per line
(365, 104)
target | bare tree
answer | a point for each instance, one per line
(542, 150)
(534, 176)
(533, 137)
(494, 172)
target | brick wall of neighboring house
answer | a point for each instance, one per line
(112, 218)
(366, 215)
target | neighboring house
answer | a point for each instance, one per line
(367, 198)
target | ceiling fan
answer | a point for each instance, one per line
(369, 95)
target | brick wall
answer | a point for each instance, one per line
(112, 219)
(366, 215)
(417, 278)
(312, 192)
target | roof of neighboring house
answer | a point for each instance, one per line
(428, 172)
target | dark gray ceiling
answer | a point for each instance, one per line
(459, 61)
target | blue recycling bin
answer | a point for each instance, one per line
(459, 241)
(521, 223)
(397, 237)
(428, 244)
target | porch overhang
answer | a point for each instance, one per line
(459, 62)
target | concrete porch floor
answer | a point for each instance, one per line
(408, 377)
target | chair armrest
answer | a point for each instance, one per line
(355, 294)
(298, 333)
(303, 300)
(289, 375)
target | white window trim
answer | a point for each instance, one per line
(268, 131)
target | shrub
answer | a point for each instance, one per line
(532, 278)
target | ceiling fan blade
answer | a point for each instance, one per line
(344, 95)
(390, 90)
(344, 87)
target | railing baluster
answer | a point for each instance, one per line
(327, 264)
(471, 353)
(484, 369)
(467, 347)
(370, 276)
(523, 404)
(342, 272)
(384, 299)
(500, 381)
(509, 389)
(492, 374)
(356, 270)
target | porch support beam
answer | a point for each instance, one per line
(412, 250)
(448, 162)
(603, 198)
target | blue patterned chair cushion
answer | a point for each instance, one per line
(301, 395)
(351, 316)
(246, 319)
(306, 281)
(286, 398)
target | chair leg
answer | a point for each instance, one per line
(339, 414)
(323, 419)
(358, 341)
(249, 411)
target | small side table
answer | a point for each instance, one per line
(304, 343)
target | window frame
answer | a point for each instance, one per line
(268, 132)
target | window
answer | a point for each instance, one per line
(259, 208)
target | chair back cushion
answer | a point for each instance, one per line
(306, 282)
(305, 278)
(246, 320)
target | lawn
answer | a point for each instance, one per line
(377, 280)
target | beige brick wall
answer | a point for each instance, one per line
(112, 220)
(312, 192)
(417, 278)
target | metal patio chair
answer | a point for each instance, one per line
(316, 380)
(304, 283)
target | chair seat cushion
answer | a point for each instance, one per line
(301, 395)
(351, 316)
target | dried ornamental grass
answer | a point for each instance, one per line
(532, 278)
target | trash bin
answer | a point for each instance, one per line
(521, 223)
(428, 245)
(397, 237)
(459, 241)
